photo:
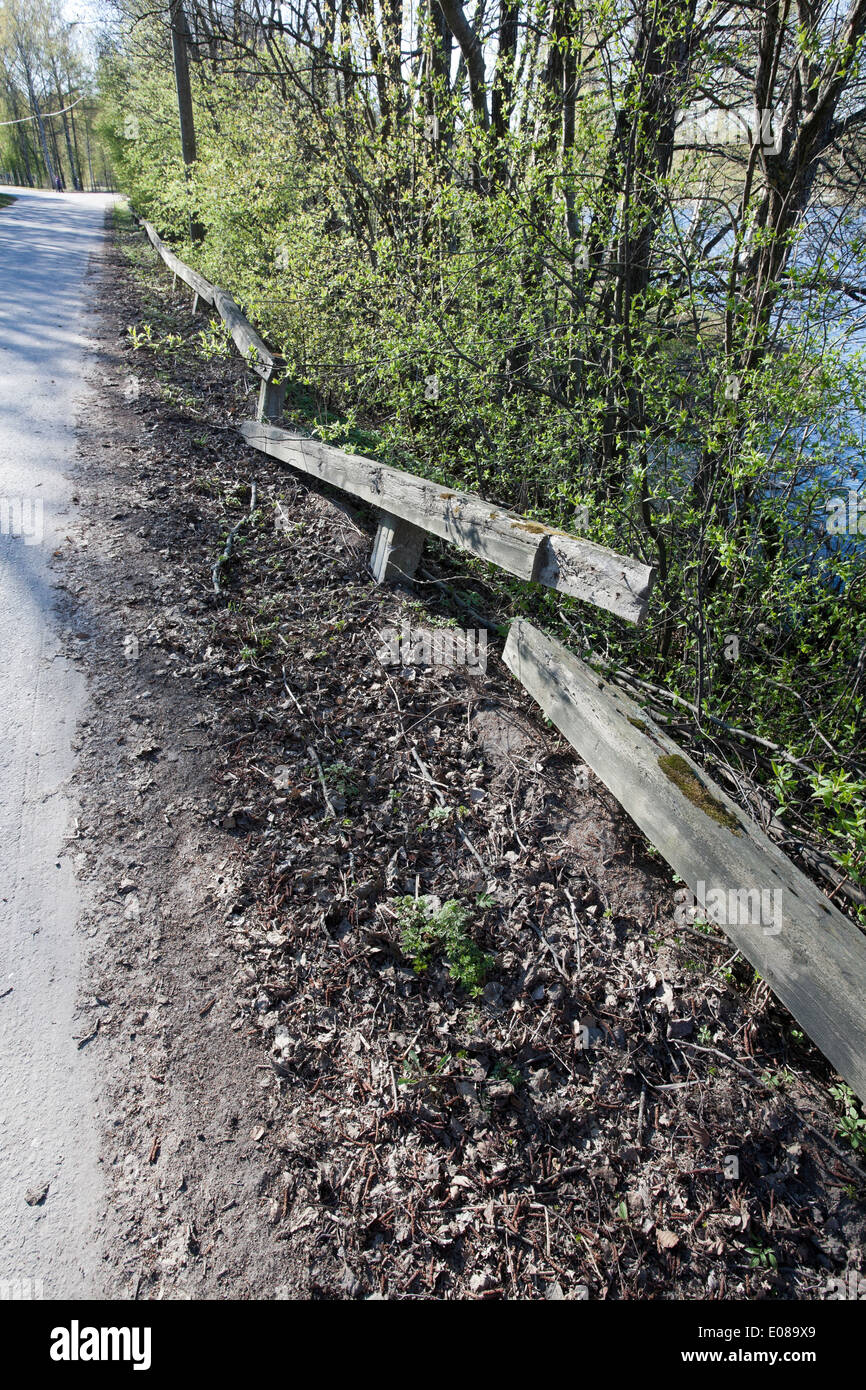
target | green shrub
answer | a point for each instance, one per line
(426, 930)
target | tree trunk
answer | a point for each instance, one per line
(34, 106)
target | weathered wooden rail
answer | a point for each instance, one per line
(413, 507)
(410, 507)
(811, 955)
(247, 341)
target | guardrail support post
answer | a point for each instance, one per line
(272, 400)
(396, 550)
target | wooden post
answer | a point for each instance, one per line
(396, 550)
(179, 41)
(272, 400)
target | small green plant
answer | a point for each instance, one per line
(341, 778)
(212, 341)
(417, 1074)
(844, 802)
(852, 1126)
(143, 338)
(783, 784)
(426, 929)
(762, 1257)
(506, 1071)
(439, 817)
(259, 641)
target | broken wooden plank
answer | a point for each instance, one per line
(813, 957)
(572, 564)
(396, 550)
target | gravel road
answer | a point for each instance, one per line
(48, 1124)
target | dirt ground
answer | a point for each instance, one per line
(620, 1110)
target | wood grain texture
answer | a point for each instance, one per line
(203, 288)
(812, 956)
(569, 563)
(396, 550)
(246, 339)
(271, 401)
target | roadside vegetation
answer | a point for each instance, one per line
(599, 262)
(493, 1062)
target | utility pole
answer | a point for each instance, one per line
(179, 43)
(180, 40)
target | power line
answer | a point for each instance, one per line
(46, 115)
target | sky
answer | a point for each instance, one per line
(87, 14)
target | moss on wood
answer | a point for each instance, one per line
(677, 769)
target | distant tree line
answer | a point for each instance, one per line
(48, 105)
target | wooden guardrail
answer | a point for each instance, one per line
(247, 341)
(411, 507)
(811, 955)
